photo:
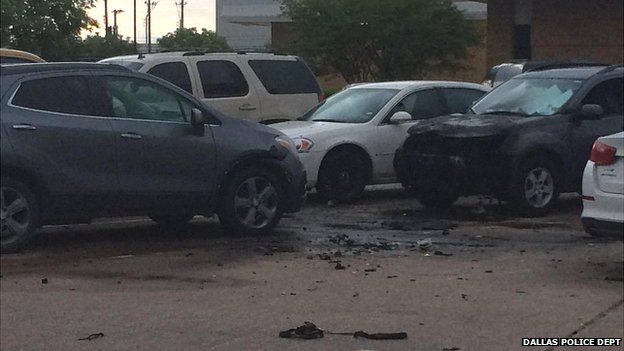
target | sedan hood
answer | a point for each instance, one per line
(296, 129)
(470, 126)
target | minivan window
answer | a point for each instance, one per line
(130, 97)
(57, 94)
(285, 77)
(459, 100)
(174, 72)
(222, 79)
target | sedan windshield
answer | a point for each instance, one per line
(357, 105)
(528, 97)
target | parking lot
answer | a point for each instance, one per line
(486, 280)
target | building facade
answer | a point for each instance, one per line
(555, 30)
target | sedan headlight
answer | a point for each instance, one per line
(303, 144)
(287, 143)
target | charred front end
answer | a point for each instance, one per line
(453, 164)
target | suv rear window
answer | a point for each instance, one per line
(174, 72)
(59, 94)
(285, 77)
(222, 79)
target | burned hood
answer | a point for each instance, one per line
(467, 125)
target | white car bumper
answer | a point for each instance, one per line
(603, 213)
(312, 163)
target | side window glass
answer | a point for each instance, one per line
(421, 105)
(607, 94)
(58, 94)
(130, 97)
(285, 77)
(460, 100)
(174, 72)
(222, 79)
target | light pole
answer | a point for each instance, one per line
(181, 3)
(106, 29)
(115, 29)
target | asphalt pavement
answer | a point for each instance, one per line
(475, 277)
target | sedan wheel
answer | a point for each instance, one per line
(535, 186)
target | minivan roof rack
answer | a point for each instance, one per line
(611, 68)
(546, 65)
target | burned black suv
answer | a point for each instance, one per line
(525, 142)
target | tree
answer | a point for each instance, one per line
(96, 47)
(190, 39)
(47, 28)
(381, 39)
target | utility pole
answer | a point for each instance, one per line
(106, 17)
(182, 3)
(115, 29)
(135, 38)
(149, 26)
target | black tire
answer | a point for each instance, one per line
(343, 176)
(19, 227)
(257, 214)
(535, 187)
(438, 199)
(172, 221)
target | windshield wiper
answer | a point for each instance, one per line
(505, 112)
(326, 120)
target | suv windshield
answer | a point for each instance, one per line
(528, 97)
(351, 106)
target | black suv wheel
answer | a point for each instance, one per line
(535, 188)
(19, 214)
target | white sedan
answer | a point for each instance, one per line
(603, 187)
(349, 140)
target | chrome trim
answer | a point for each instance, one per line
(24, 127)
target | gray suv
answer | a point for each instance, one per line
(81, 141)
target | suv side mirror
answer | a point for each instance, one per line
(400, 116)
(197, 117)
(591, 111)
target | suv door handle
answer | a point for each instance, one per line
(246, 107)
(131, 135)
(24, 127)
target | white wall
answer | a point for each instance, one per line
(246, 24)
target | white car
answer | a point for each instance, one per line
(349, 140)
(603, 187)
(259, 87)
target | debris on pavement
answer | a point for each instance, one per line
(339, 266)
(44, 281)
(307, 331)
(92, 337)
(310, 331)
(451, 349)
(440, 253)
(424, 245)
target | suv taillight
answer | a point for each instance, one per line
(602, 154)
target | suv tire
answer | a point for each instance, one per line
(535, 187)
(342, 176)
(20, 215)
(251, 202)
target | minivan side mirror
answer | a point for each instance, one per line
(197, 117)
(400, 116)
(591, 111)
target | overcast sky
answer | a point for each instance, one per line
(165, 16)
